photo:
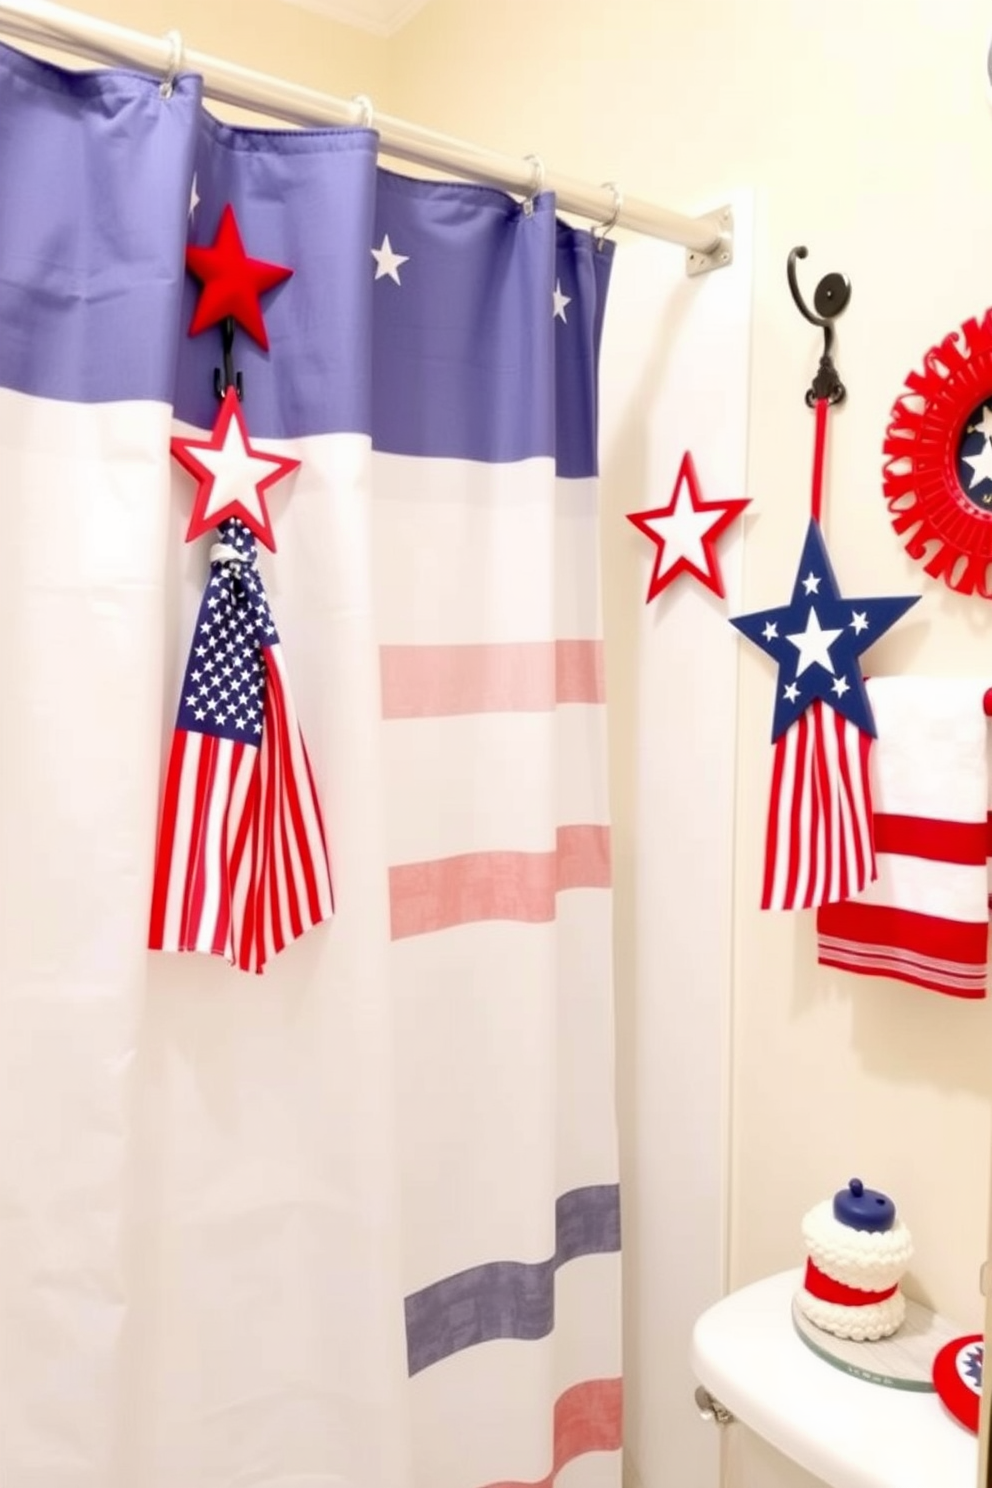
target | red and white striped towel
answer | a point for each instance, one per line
(925, 918)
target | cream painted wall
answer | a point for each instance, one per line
(867, 135)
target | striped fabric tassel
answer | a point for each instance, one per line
(820, 842)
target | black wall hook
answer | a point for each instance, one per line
(225, 377)
(830, 298)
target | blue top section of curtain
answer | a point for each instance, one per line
(449, 343)
(95, 170)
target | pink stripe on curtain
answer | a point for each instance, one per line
(496, 885)
(588, 1418)
(510, 677)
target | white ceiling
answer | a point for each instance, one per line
(381, 17)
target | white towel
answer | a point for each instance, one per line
(925, 918)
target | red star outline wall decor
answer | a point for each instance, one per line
(233, 476)
(686, 533)
(232, 282)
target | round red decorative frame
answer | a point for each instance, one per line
(957, 1377)
(942, 526)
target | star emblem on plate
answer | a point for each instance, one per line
(970, 1364)
(232, 476)
(686, 532)
(957, 1376)
(818, 640)
(232, 282)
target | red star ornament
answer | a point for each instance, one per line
(686, 533)
(232, 282)
(233, 477)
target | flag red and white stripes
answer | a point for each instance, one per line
(820, 842)
(242, 867)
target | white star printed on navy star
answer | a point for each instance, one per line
(817, 640)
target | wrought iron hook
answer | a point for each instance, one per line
(225, 377)
(831, 298)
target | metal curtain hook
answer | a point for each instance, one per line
(226, 377)
(364, 102)
(174, 66)
(830, 299)
(536, 182)
(603, 228)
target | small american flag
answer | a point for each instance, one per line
(820, 842)
(241, 868)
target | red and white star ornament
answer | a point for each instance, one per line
(686, 532)
(232, 282)
(233, 477)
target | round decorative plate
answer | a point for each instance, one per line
(902, 1362)
(957, 1376)
(937, 476)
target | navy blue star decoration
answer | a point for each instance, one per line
(817, 640)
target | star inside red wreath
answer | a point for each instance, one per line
(233, 477)
(232, 282)
(686, 532)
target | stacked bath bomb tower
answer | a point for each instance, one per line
(858, 1252)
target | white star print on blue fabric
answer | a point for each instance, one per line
(817, 640)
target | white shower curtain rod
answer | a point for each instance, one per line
(52, 25)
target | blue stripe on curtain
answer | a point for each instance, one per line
(509, 1299)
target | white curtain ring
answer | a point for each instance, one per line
(599, 232)
(536, 183)
(364, 102)
(174, 66)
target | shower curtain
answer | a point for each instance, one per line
(353, 1223)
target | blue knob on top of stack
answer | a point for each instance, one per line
(864, 1208)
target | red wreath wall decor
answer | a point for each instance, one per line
(937, 476)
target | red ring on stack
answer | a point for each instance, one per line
(820, 1285)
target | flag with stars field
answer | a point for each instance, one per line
(819, 845)
(242, 866)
